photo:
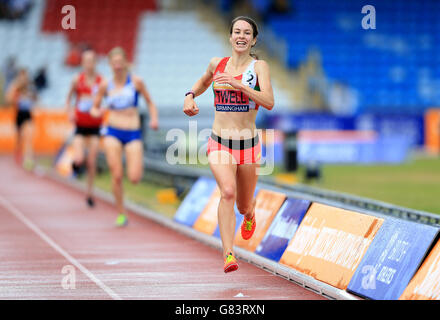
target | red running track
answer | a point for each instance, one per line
(49, 237)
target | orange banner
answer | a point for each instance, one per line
(330, 243)
(432, 130)
(50, 130)
(208, 220)
(7, 129)
(267, 206)
(425, 285)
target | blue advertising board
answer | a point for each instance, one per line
(382, 150)
(283, 228)
(289, 122)
(194, 202)
(392, 259)
(406, 126)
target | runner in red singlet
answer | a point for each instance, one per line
(87, 128)
(240, 83)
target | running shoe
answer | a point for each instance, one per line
(248, 228)
(28, 164)
(230, 263)
(121, 220)
(78, 170)
(90, 202)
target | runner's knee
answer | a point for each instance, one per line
(117, 178)
(135, 178)
(79, 158)
(228, 193)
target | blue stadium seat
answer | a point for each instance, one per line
(387, 65)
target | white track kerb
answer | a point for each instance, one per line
(290, 274)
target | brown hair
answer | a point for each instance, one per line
(254, 29)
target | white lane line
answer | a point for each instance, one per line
(19, 215)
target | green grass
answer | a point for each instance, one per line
(143, 193)
(415, 184)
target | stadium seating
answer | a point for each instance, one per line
(169, 58)
(33, 49)
(38, 41)
(394, 67)
(163, 47)
(100, 24)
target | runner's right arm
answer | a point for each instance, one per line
(96, 110)
(189, 106)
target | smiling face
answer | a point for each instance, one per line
(118, 60)
(242, 37)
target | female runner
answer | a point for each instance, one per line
(241, 84)
(87, 131)
(22, 96)
(122, 133)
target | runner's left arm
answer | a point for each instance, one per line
(96, 110)
(152, 109)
